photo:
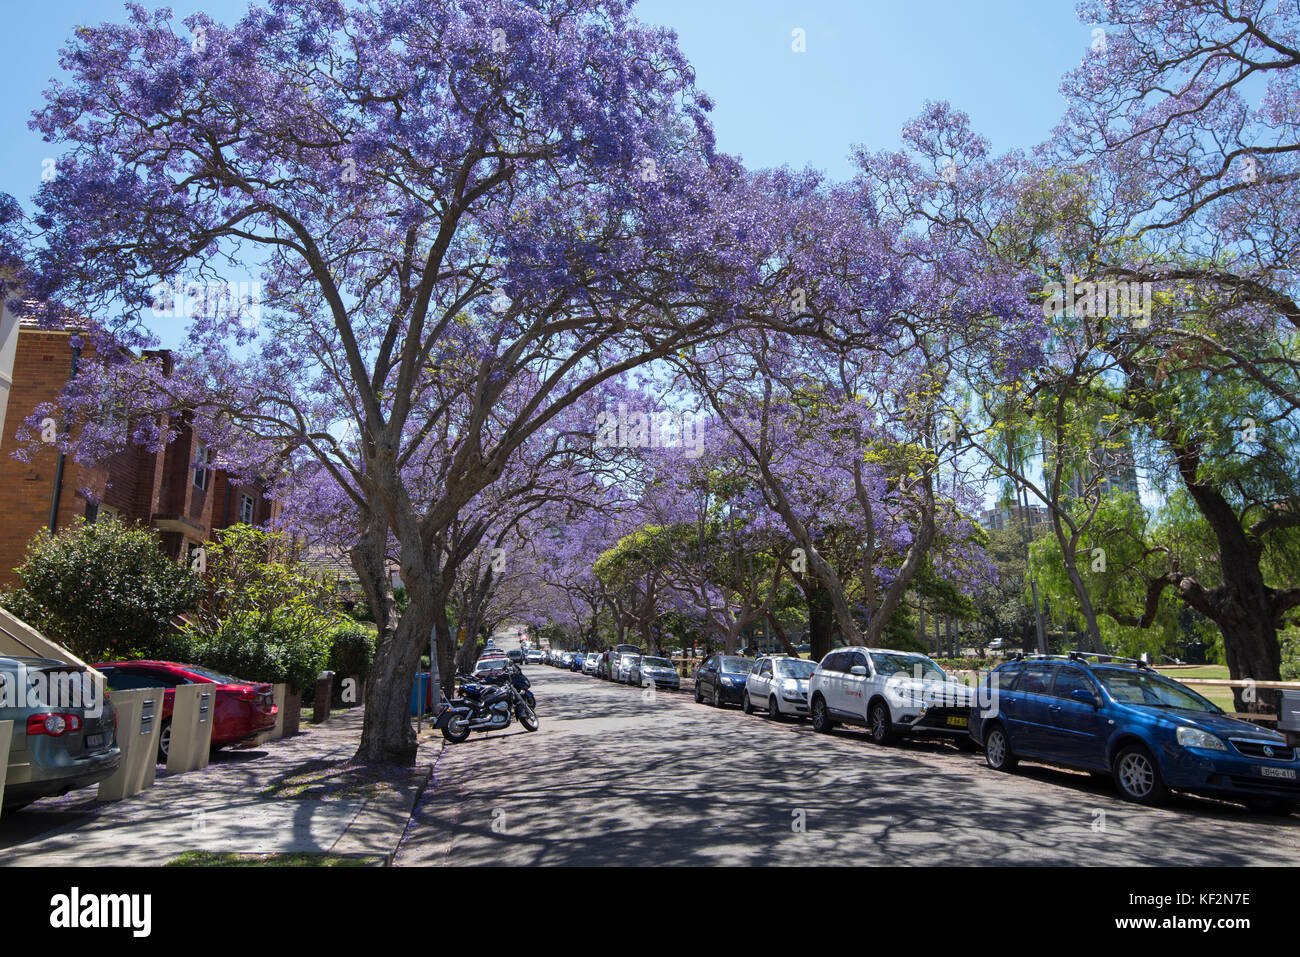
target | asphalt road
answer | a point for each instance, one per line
(618, 775)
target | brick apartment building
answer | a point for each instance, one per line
(161, 489)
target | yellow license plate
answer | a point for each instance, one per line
(955, 722)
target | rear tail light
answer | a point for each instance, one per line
(55, 725)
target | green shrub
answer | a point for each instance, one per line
(257, 648)
(265, 616)
(105, 590)
(352, 649)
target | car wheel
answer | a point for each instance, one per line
(699, 697)
(164, 741)
(1138, 776)
(717, 697)
(774, 709)
(746, 705)
(882, 727)
(997, 750)
(1279, 806)
(821, 719)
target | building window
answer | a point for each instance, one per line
(201, 467)
(246, 509)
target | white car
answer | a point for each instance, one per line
(625, 663)
(893, 694)
(591, 663)
(778, 684)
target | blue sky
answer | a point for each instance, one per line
(868, 68)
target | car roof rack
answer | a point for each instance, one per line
(1082, 656)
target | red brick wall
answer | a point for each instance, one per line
(138, 483)
(42, 364)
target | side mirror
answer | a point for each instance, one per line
(859, 670)
(1084, 695)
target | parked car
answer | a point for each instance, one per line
(591, 663)
(997, 644)
(721, 679)
(240, 710)
(490, 663)
(778, 684)
(1149, 733)
(60, 742)
(623, 669)
(660, 672)
(894, 694)
(577, 661)
(612, 658)
(533, 657)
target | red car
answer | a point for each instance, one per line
(242, 710)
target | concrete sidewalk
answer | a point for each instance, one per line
(294, 795)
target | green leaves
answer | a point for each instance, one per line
(105, 590)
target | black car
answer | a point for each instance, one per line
(721, 679)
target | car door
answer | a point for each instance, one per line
(1030, 720)
(829, 682)
(760, 681)
(1077, 729)
(706, 677)
(857, 688)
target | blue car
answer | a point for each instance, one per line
(1119, 717)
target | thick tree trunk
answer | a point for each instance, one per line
(821, 620)
(386, 735)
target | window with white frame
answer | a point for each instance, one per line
(201, 467)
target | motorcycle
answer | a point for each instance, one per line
(485, 705)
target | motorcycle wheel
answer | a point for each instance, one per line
(527, 717)
(456, 731)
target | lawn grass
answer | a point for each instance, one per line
(295, 859)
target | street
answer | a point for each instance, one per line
(618, 775)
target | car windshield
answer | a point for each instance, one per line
(736, 664)
(794, 668)
(216, 676)
(656, 663)
(912, 666)
(1148, 688)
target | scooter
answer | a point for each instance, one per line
(486, 706)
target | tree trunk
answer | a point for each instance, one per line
(386, 734)
(821, 619)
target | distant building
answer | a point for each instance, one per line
(168, 490)
(1004, 516)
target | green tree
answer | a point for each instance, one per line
(265, 617)
(104, 589)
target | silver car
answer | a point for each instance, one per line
(64, 729)
(778, 684)
(625, 666)
(660, 672)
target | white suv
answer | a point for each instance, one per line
(892, 693)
